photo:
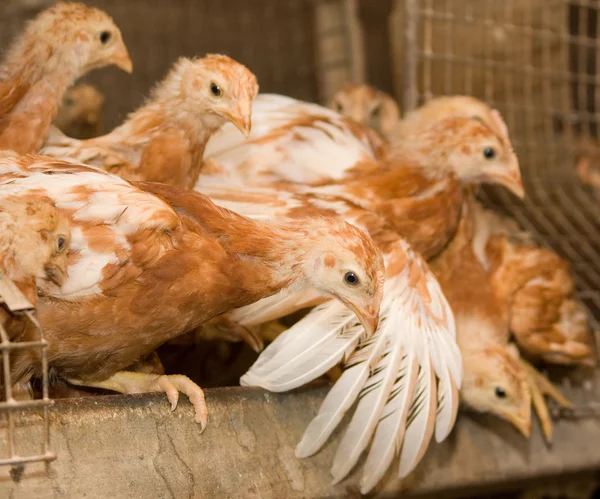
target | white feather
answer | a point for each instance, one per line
(307, 350)
(275, 306)
(421, 417)
(389, 435)
(343, 394)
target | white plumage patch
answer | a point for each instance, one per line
(91, 198)
(303, 154)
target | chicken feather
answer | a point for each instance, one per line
(61, 44)
(131, 244)
(164, 140)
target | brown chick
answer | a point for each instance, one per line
(447, 107)
(496, 379)
(588, 158)
(546, 319)
(56, 48)
(493, 381)
(164, 140)
(368, 106)
(80, 115)
(154, 261)
(34, 242)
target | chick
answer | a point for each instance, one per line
(34, 242)
(153, 261)
(496, 379)
(537, 286)
(56, 48)
(164, 140)
(588, 157)
(80, 115)
(368, 106)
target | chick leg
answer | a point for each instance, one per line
(134, 382)
(539, 387)
(271, 330)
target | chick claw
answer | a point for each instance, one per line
(539, 387)
(135, 382)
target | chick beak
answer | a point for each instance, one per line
(121, 58)
(55, 274)
(243, 121)
(368, 316)
(514, 183)
(521, 421)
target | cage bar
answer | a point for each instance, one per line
(17, 305)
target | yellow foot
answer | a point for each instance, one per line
(271, 330)
(539, 387)
(134, 382)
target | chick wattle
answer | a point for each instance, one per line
(60, 45)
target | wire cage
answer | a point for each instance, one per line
(15, 304)
(536, 61)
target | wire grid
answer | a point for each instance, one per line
(295, 47)
(16, 304)
(535, 61)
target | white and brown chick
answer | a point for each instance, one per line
(496, 379)
(60, 45)
(80, 114)
(368, 106)
(547, 320)
(149, 263)
(164, 140)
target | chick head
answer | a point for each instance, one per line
(495, 382)
(368, 106)
(71, 38)
(343, 262)
(219, 89)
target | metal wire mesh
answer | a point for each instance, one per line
(17, 305)
(297, 47)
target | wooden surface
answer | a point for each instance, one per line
(118, 446)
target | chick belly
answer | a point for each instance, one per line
(93, 343)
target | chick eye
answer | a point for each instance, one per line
(375, 112)
(60, 243)
(351, 278)
(489, 153)
(216, 90)
(69, 101)
(338, 107)
(500, 393)
(105, 37)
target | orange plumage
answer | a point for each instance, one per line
(56, 48)
(80, 114)
(164, 140)
(133, 247)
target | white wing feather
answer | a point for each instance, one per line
(307, 350)
(415, 342)
(290, 140)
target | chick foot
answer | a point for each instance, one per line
(134, 382)
(271, 330)
(540, 386)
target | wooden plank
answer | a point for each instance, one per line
(133, 446)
